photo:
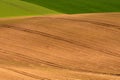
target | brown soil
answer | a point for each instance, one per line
(64, 47)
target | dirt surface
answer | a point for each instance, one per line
(64, 47)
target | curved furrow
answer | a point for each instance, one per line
(102, 24)
(59, 38)
(25, 73)
(60, 48)
(35, 61)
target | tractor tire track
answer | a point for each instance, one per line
(26, 74)
(35, 61)
(30, 60)
(94, 22)
(70, 41)
(108, 25)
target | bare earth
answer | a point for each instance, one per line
(63, 47)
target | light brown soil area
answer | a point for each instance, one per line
(64, 47)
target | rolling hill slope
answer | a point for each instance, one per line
(79, 6)
(10, 8)
(66, 47)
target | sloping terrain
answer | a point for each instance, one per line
(61, 47)
(12, 8)
(79, 6)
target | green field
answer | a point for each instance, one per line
(9, 8)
